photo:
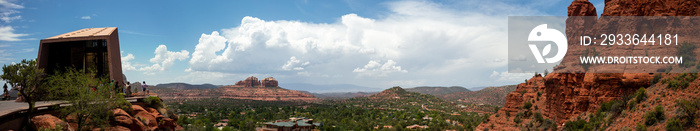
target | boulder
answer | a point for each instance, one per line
(48, 121)
(121, 118)
(137, 108)
(169, 125)
(120, 112)
(147, 118)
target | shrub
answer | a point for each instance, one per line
(538, 117)
(614, 106)
(674, 124)
(577, 125)
(681, 81)
(686, 50)
(631, 104)
(656, 78)
(656, 115)
(154, 101)
(125, 105)
(687, 111)
(527, 105)
(517, 120)
(641, 127)
(641, 94)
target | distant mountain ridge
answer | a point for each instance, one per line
(330, 88)
(342, 95)
(249, 89)
(185, 86)
(437, 90)
(491, 95)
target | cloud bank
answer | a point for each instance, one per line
(417, 42)
(162, 61)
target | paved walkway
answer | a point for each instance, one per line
(9, 107)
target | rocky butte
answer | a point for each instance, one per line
(251, 88)
(253, 82)
(562, 97)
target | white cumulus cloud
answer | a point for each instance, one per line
(85, 17)
(162, 60)
(376, 68)
(126, 62)
(294, 64)
(439, 44)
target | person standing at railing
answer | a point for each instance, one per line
(5, 94)
(127, 89)
(143, 87)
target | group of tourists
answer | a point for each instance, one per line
(127, 89)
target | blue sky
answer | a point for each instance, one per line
(366, 42)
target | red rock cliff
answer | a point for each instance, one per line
(562, 96)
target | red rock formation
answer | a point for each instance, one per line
(237, 92)
(651, 8)
(581, 8)
(269, 82)
(48, 121)
(264, 94)
(122, 118)
(248, 82)
(568, 95)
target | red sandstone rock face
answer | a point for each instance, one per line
(651, 8)
(581, 8)
(570, 94)
(567, 95)
(48, 121)
(242, 90)
(269, 82)
(248, 82)
(593, 26)
(142, 119)
(264, 94)
(237, 92)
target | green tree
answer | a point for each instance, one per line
(88, 95)
(25, 77)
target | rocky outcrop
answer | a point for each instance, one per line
(568, 93)
(48, 121)
(581, 8)
(591, 25)
(250, 88)
(269, 82)
(143, 118)
(248, 82)
(263, 94)
(651, 8)
(123, 119)
(254, 82)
